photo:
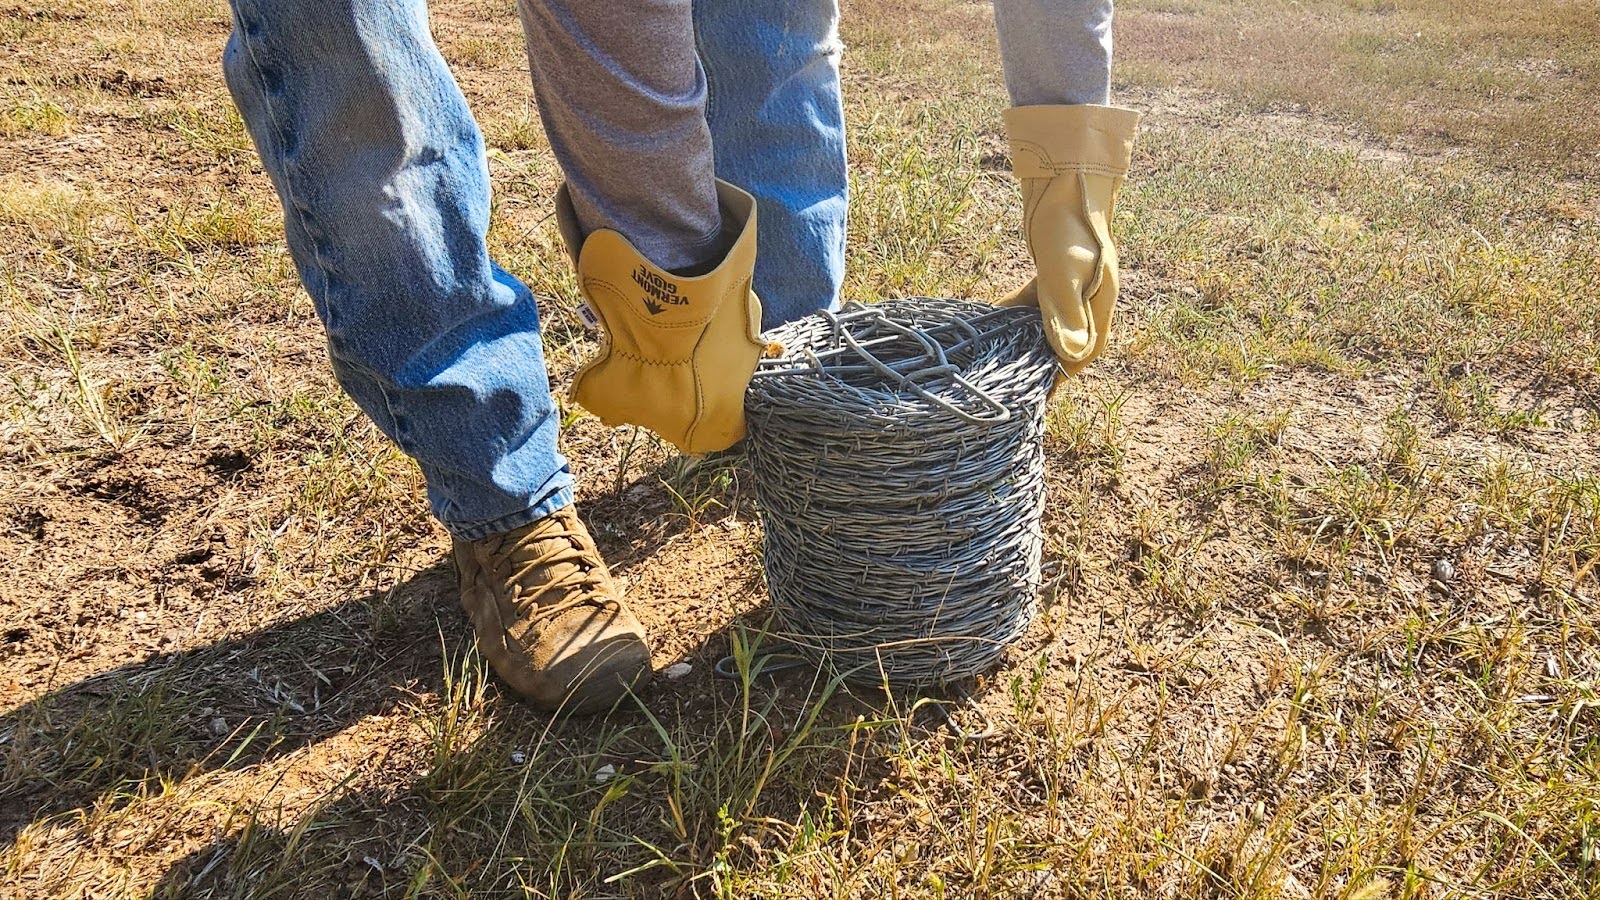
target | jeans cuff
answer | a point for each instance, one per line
(478, 530)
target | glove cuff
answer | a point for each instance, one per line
(1047, 141)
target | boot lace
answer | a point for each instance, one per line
(554, 549)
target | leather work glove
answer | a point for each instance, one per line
(677, 351)
(1071, 160)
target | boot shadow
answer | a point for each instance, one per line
(630, 804)
(233, 704)
(757, 746)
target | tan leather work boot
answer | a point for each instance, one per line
(548, 617)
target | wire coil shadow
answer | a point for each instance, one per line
(898, 458)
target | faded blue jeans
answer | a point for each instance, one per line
(383, 179)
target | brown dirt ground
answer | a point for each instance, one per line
(195, 550)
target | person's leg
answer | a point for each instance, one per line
(1055, 52)
(385, 190)
(777, 126)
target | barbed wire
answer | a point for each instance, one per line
(897, 453)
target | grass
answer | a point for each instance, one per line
(35, 116)
(1512, 83)
(1322, 530)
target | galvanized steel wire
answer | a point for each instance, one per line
(897, 452)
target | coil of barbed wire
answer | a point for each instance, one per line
(897, 451)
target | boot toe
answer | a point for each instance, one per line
(592, 662)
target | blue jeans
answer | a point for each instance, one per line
(383, 179)
(777, 127)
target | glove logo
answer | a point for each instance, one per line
(657, 291)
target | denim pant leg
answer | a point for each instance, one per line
(777, 128)
(1055, 51)
(382, 176)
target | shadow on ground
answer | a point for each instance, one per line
(493, 796)
(642, 802)
(230, 705)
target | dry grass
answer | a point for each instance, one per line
(1512, 83)
(1322, 530)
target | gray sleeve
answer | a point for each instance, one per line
(623, 99)
(1055, 52)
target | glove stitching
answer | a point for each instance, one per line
(1042, 160)
(699, 387)
(653, 362)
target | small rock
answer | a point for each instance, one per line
(1443, 571)
(219, 726)
(605, 773)
(518, 757)
(677, 670)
